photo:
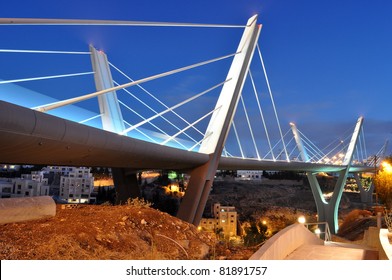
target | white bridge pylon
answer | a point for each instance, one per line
(328, 211)
(195, 199)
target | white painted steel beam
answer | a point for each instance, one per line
(109, 108)
(300, 145)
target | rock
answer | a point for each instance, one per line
(98, 238)
(199, 250)
(125, 218)
(143, 222)
(184, 243)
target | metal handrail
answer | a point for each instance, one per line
(326, 233)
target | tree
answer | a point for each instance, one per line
(383, 183)
(255, 234)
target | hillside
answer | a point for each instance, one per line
(139, 232)
(104, 232)
(111, 232)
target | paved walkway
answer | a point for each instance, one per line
(333, 251)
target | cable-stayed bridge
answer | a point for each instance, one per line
(136, 128)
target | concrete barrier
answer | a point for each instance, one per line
(386, 246)
(285, 242)
(26, 208)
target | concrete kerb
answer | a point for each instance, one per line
(282, 244)
(14, 210)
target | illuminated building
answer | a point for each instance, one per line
(249, 174)
(225, 218)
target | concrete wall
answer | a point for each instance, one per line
(386, 246)
(27, 208)
(285, 242)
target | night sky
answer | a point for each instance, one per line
(328, 62)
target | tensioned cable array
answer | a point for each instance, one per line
(43, 51)
(55, 105)
(273, 102)
(154, 97)
(261, 114)
(45, 78)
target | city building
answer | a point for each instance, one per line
(76, 184)
(249, 174)
(224, 220)
(28, 185)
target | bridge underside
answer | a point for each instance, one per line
(31, 137)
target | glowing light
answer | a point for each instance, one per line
(301, 219)
(386, 167)
(317, 231)
(264, 222)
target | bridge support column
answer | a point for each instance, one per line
(328, 211)
(126, 184)
(366, 195)
(193, 204)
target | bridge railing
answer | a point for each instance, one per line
(320, 229)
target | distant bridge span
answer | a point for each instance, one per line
(31, 137)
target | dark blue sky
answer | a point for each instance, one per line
(328, 61)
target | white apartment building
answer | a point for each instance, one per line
(28, 185)
(76, 184)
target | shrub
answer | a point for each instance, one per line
(138, 202)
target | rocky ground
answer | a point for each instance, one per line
(135, 231)
(111, 232)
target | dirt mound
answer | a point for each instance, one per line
(105, 232)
